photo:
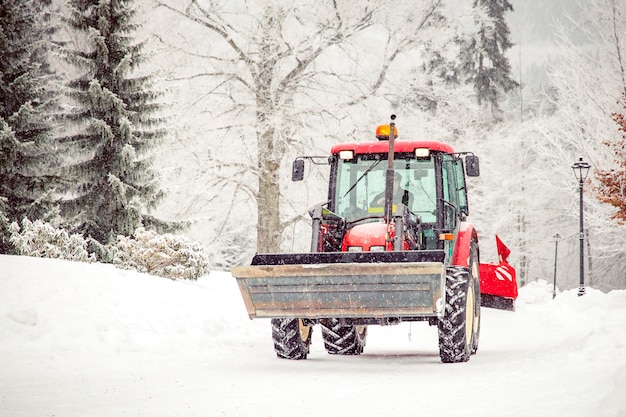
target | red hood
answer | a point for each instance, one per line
(365, 235)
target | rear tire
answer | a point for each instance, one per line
(457, 326)
(291, 338)
(341, 339)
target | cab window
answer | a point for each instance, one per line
(361, 183)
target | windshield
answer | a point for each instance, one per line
(360, 187)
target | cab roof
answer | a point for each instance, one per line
(382, 146)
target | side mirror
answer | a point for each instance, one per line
(472, 169)
(297, 170)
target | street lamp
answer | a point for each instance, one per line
(556, 237)
(581, 169)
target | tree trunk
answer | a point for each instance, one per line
(269, 229)
(270, 153)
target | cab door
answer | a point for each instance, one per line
(451, 209)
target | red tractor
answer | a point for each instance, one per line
(391, 244)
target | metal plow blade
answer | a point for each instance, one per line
(340, 290)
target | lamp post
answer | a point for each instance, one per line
(556, 237)
(581, 169)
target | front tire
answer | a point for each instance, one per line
(291, 338)
(341, 339)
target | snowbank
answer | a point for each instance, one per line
(93, 340)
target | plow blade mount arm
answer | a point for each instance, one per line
(343, 284)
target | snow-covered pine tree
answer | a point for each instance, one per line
(27, 101)
(115, 124)
(483, 53)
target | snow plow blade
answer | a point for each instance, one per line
(498, 286)
(498, 283)
(343, 284)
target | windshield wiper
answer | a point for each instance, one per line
(361, 177)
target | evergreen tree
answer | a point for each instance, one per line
(27, 100)
(115, 125)
(482, 56)
(436, 75)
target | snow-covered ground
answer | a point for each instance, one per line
(92, 340)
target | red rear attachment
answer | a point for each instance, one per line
(498, 283)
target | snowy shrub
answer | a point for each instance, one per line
(43, 240)
(164, 255)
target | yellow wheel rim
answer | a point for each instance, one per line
(469, 314)
(475, 276)
(304, 330)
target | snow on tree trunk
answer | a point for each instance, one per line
(269, 227)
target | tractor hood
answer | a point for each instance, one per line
(366, 237)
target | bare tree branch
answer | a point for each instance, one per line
(210, 24)
(618, 48)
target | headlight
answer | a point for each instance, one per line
(422, 152)
(377, 248)
(346, 155)
(355, 249)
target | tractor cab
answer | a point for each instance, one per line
(427, 194)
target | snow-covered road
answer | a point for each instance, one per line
(92, 340)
